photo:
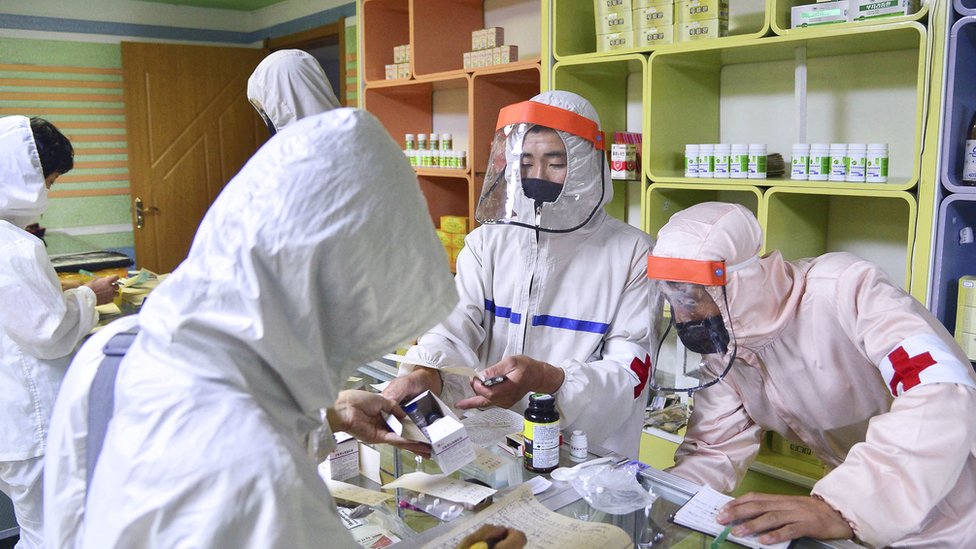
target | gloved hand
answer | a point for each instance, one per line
(360, 413)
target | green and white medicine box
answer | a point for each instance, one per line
(700, 30)
(824, 13)
(618, 21)
(686, 11)
(653, 17)
(612, 6)
(652, 3)
(615, 41)
(862, 10)
(654, 36)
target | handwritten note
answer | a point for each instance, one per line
(350, 492)
(543, 528)
(488, 427)
(441, 486)
(700, 512)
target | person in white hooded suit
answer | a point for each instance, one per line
(308, 264)
(40, 325)
(553, 289)
(289, 85)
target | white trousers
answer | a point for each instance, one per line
(23, 483)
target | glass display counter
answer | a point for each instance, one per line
(647, 528)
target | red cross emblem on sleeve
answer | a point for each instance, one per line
(907, 368)
(642, 369)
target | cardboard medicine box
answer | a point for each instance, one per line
(451, 446)
(654, 36)
(615, 41)
(343, 462)
(824, 13)
(700, 30)
(653, 17)
(609, 6)
(701, 10)
(649, 3)
(504, 54)
(617, 21)
(454, 224)
(862, 10)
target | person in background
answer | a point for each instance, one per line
(289, 85)
(827, 352)
(553, 290)
(40, 325)
(243, 344)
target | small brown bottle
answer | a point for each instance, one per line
(969, 155)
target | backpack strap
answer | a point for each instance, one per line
(101, 398)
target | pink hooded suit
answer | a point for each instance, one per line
(834, 355)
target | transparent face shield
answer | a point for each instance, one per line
(545, 169)
(696, 350)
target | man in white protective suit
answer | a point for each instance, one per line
(289, 85)
(553, 291)
(309, 263)
(40, 325)
(828, 352)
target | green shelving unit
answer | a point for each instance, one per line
(665, 199)
(878, 226)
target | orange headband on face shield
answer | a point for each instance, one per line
(530, 112)
(706, 273)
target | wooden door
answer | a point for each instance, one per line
(190, 129)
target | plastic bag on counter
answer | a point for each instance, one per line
(613, 489)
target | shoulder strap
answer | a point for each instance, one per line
(101, 398)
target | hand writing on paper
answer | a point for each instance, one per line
(360, 414)
(783, 518)
(494, 536)
(524, 375)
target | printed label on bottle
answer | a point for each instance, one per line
(541, 444)
(969, 162)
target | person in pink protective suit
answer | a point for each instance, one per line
(826, 351)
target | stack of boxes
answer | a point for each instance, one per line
(400, 69)
(626, 24)
(843, 11)
(488, 48)
(701, 20)
(966, 316)
(452, 231)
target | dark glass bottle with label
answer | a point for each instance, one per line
(969, 155)
(541, 434)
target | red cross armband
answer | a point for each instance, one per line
(920, 360)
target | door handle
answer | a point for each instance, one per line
(142, 212)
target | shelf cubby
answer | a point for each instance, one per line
(665, 199)
(446, 194)
(574, 28)
(388, 26)
(408, 107)
(965, 7)
(953, 258)
(863, 85)
(879, 227)
(782, 15)
(960, 102)
(440, 34)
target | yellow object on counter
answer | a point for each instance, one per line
(454, 224)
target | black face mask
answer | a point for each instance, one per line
(271, 128)
(541, 190)
(706, 336)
